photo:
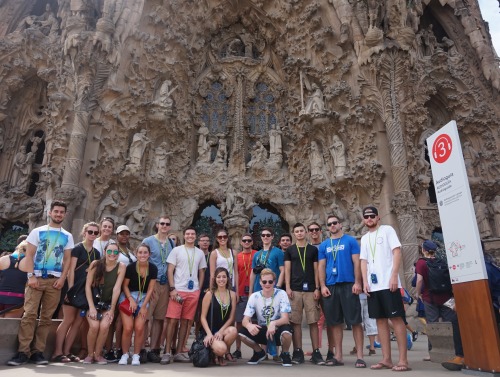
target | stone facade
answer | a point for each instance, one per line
(133, 108)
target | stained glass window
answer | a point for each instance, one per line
(261, 111)
(215, 109)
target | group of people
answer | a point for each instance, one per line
(253, 297)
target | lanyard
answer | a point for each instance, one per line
(190, 261)
(125, 253)
(263, 260)
(373, 249)
(102, 247)
(268, 317)
(246, 263)
(223, 312)
(229, 260)
(88, 252)
(302, 258)
(49, 250)
(336, 250)
(141, 290)
(163, 251)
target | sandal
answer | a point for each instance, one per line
(60, 359)
(73, 358)
(354, 351)
(401, 368)
(371, 352)
(380, 365)
(360, 364)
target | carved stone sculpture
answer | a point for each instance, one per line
(23, 163)
(495, 210)
(337, 150)
(107, 205)
(317, 163)
(315, 103)
(259, 157)
(135, 217)
(136, 151)
(204, 148)
(471, 159)
(158, 168)
(482, 218)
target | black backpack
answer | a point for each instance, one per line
(439, 276)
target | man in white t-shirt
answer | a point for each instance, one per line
(380, 261)
(186, 269)
(271, 307)
(47, 259)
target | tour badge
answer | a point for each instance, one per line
(374, 278)
(334, 271)
(305, 286)
(163, 279)
(45, 274)
(247, 289)
(190, 284)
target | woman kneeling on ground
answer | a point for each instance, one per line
(217, 316)
(105, 274)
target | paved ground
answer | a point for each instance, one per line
(240, 368)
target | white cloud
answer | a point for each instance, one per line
(491, 13)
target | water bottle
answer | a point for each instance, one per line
(271, 347)
(83, 312)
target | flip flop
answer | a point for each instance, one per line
(427, 358)
(360, 364)
(401, 368)
(334, 363)
(380, 365)
(60, 359)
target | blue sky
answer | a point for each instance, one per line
(491, 13)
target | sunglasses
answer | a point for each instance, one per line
(267, 281)
(164, 224)
(222, 237)
(266, 235)
(246, 241)
(369, 216)
(93, 232)
(314, 229)
(332, 223)
(109, 252)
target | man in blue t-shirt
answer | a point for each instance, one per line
(340, 280)
(268, 257)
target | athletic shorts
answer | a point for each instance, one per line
(260, 338)
(158, 309)
(304, 301)
(342, 305)
(240, 308)
(186, 309)
(385, 304)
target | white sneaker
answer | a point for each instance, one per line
(124, 359)
(136, 359)
(181, 357)
(165, 359)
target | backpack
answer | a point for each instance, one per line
(439, 276)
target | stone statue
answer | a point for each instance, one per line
(258, 156)
(163, 98)
(429, 41)
(135, 217)
(236, 203)
(159, 166)
(204, 148)
(315, 103)
(137, 149)
(275, 147)
(471, 159)
(482, 214)
(337, 151)
(47, 23)
(34, 147)
(221, 157)
(317, 162)
(495, 210)
(110, 202)
(23, 163)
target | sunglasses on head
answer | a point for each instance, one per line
(314, 229)
(369, 216)
(164, 224)
(266, 235)
(109, 252)
(246, 240)
(267, 281)
(332, 223)
(93, 232)
(223, 237)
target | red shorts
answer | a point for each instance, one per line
(185, 310)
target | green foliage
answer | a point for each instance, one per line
(207, 225)
(8, 238)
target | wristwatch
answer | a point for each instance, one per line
(171, 289)
(30, 274)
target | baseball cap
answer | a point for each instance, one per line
(429, 245)
(370, 211)
(121, 228)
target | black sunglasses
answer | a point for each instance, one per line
(314, 229)
(162, 224)
(246, 241)
(93, 232)
(332, 223)
(267, 281)
(369, 216)
(266, 235)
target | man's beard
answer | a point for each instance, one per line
(56, 221)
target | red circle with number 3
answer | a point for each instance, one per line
(441, 149)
